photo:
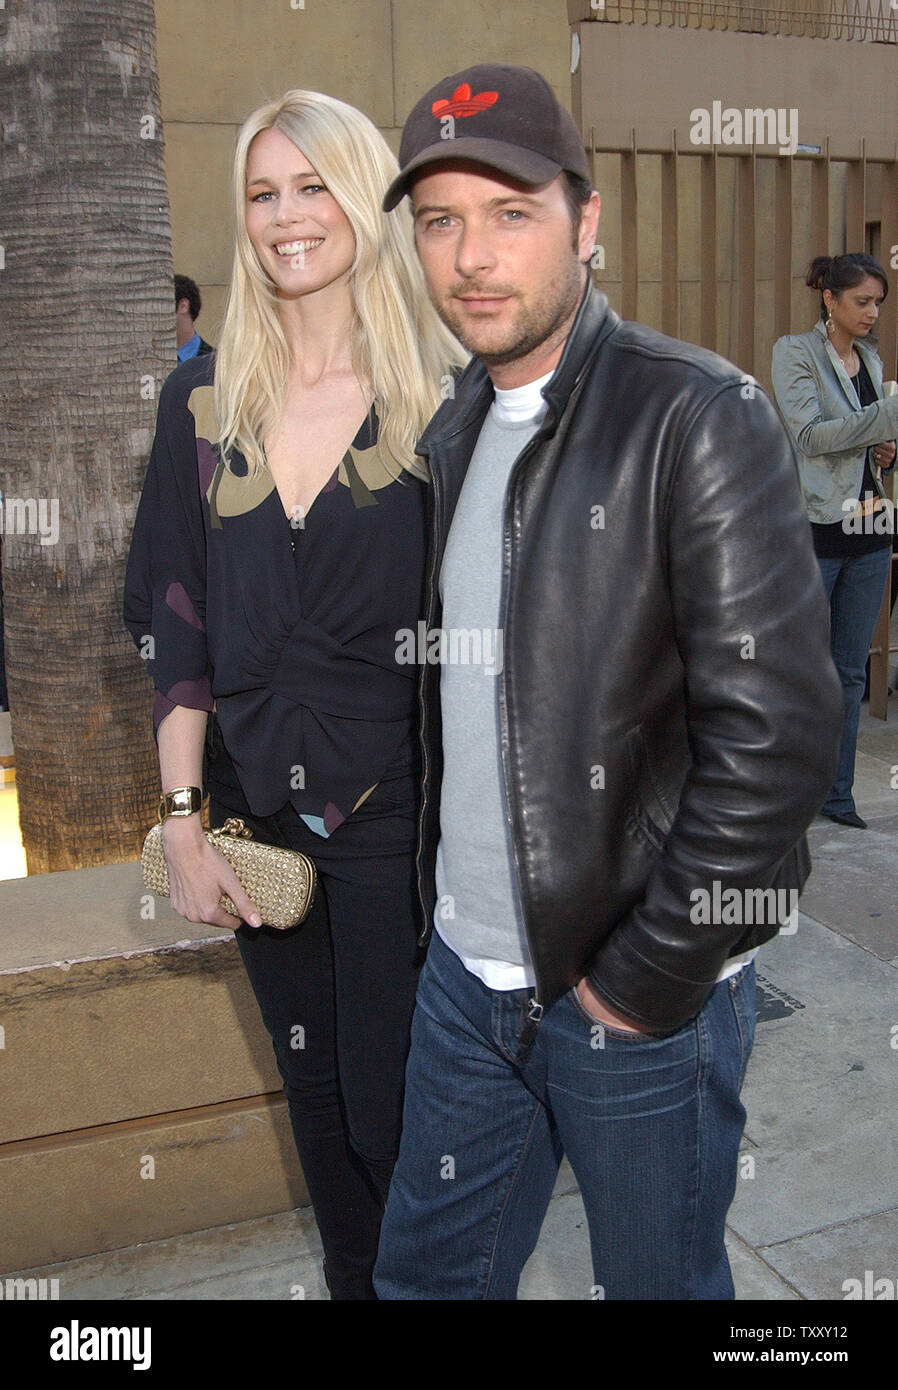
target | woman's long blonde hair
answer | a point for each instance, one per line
(400, 348)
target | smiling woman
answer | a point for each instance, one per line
(291, 215)
(305, 243)
(279, 545)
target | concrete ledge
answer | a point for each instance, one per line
(128, 1035)
(119, 1185)
(85, 914)
(108, 1016)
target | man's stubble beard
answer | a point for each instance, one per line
(540, 322)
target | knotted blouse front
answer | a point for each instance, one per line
(294, 631)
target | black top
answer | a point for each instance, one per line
(293, 629)
(856, 535)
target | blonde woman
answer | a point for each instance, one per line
(278, 554)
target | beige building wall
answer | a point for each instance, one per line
(220, 59)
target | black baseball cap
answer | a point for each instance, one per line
(505, 117)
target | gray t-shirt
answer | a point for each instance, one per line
(477, 913)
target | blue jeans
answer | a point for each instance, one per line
(651, 1127)
(854, 587)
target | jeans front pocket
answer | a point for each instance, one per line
(609, 1030)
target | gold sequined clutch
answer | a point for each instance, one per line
(281, 882)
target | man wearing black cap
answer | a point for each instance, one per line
(616, 799)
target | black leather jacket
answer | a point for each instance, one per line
(669, 711)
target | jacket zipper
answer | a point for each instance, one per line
(427, 929)
(535, 1009)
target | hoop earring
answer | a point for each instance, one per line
(830, 325)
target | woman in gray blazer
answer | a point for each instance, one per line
(828, 386)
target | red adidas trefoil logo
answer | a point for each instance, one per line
(463, 104)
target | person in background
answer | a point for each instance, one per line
(187, 309)
(278, 548)
(828, 386)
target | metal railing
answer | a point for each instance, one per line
(857, 20)
(750, 333)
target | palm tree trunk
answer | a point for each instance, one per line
(87, 300)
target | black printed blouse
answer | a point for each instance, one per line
(292, 631)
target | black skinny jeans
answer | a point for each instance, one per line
(337, 994)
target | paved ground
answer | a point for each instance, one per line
(818, 1203)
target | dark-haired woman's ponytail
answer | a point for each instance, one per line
(818, 272)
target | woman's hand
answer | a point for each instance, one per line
(199, 876)
(884, 454)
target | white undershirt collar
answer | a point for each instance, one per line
(520, 403)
